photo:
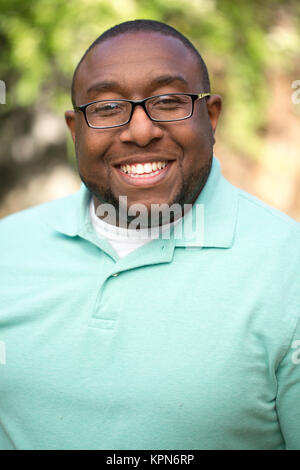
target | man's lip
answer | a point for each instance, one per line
(135, 160)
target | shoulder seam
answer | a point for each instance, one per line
(293, 223)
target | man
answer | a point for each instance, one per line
(182, 338)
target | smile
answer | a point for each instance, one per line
(144, 173)
(145, 170)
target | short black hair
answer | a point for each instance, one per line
(141, 26)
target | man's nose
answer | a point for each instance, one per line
(140, 130)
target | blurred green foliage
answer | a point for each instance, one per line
(41, 42)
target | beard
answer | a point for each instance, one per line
(186, 195)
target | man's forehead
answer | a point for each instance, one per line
(147, 54)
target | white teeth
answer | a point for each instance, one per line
(147, 168)
(144, 176)
(140, 169)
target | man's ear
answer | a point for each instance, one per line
(214, 106)
(70, 120)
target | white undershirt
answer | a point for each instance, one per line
(123, 240)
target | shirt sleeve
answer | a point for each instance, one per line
(288, 392)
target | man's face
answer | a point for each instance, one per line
(136, 66)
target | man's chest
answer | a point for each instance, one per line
(164, 356)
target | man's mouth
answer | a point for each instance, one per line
(144, 170)
(144, 174)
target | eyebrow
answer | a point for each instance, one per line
(162, 80)
(103, 86)
(168, 79)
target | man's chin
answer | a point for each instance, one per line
(124, 211)
(138, 214)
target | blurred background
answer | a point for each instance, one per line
(252, 50)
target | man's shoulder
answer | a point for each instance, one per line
(262, 221)
(234, 217)
(262, 212)
(36, 217)
(259, 207)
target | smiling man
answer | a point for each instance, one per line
(160, 150)
(118, 337)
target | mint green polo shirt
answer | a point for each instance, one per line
(190, 342)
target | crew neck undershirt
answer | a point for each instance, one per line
(123, 240)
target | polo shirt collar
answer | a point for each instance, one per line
(210, 223)
(212, 220)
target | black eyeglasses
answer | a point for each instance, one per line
(168, 107)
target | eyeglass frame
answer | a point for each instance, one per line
(142, 103)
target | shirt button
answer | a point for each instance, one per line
(116, 274)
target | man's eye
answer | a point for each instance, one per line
(106, 108)
(169, 102)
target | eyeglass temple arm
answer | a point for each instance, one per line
(202, 95)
